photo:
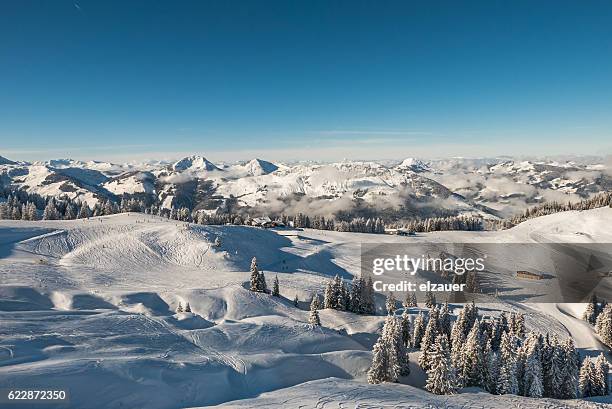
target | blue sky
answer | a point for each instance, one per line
(294, 80)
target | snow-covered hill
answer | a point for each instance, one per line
(89, 305)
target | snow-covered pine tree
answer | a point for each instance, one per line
(441, 375)
(84, 212)
(368, 297)
(50, 212)
(254, 275)
(430, 299)
(329, 300)
(32, 212)
(296, 303)
(346, 297)
(418, 331)
(410, 301)
(262, 287)
(392, 331)
(379, 370)
(428, 341)
(586, 380)
(16, 213)
(70, 212)
(532, 378)
(472, 363)
(602, 368)
(179, 308)
(406, 329)
(217, 242)
(356, 295)
(338, 302)
(508, 380)
(519, 325)
(445, 320)
(24, 213)
(316, 300)
(457, 343)
(275, 287)
(390, 303)
(491, 368)
(385, 363)
(187, 307)
(313, 318)
(603, 325)
(571, 369)
(552, 366)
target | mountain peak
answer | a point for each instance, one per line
(194, 162)
(5, 161)
(414, 164)
(258, 167)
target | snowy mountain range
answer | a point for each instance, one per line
(490, 187)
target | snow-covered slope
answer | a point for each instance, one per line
(89, 305)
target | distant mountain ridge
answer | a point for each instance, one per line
(406, 189)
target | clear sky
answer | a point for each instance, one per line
(121, 80)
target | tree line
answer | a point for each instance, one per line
(495, 354)
(599, 314)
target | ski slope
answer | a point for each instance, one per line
(88, 305)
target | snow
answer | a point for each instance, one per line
(341, 393)
(194, 162)
(90, 305)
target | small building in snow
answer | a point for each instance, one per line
(528, 275)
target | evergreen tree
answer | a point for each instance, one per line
(571, 369)
(179, 308)
(472, 363)
(428, 341)
(457, 344)
(441, 376)
(406, 329)
(602, 383)
(508, 381)
(31, 211)
(392, 332)
(356, 295)
(390, 303)
(254, 275)
(553, 363)
(261, 283)
(603, 325)
(379, 370)
(385, 363)
(587, 381)
(315, 300)
(519, 325)
(337, 302)
(296, 302)
(430, 299)
(313, 318)
(187, 308)
(445, 320)
(329, 296)
(419, 330)
(491, 368)
(50, 212)
(84, 211)
(275, 287)
(368, 297)
(533, 384)
(70, 212)
(258, 280)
